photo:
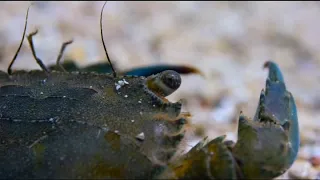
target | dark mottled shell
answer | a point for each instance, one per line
(69, 125)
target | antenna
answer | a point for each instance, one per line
(9, 71)
(104, 46)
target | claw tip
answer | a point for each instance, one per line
(266, 64)
(274, 71)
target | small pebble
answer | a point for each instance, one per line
(315, 161)
(302, 169)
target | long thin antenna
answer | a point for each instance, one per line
(9, 71)
(104, 46)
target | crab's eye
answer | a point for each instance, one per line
(171, 79)
(164, 83)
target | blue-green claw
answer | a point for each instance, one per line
(274, 72)
(268, 145)
(280, 106)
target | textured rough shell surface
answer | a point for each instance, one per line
(64, 117)
(196, 33)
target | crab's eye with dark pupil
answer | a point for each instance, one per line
(171, 79)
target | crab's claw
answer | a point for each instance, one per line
(275, 100)
(274, 71)
(278, 105)
(268, 145)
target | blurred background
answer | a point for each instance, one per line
(228, 41)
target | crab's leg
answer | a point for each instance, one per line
(155, 69)
(63, 47)
(268, 145)
(39, 61)
(139, 71)
(67, 65)
(204, 161)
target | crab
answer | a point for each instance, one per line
(58, 124)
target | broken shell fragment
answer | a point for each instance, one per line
(140, 136)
